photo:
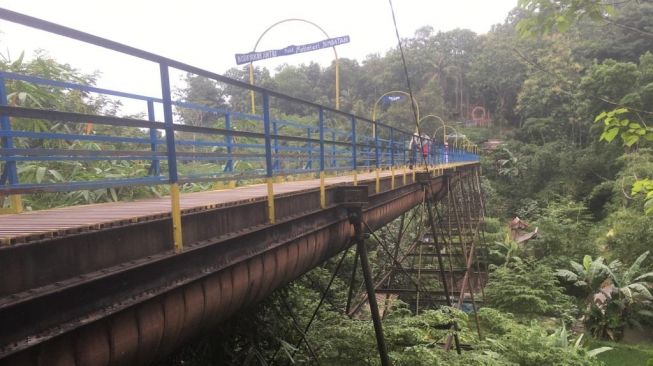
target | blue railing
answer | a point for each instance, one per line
(159, 149)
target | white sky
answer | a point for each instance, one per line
(208, 33)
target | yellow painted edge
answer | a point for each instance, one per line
(355, 178)
(392, 180)
(16, 203)
(176, 217)
(322, 191)
(271, 210)
(378, 181)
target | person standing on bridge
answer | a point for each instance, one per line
(413, 146)
(426, 140)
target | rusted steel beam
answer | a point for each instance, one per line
(140, 309)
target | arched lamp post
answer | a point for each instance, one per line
(251, 64)
(381, 97)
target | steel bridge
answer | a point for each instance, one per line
(126, 282)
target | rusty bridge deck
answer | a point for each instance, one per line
(102, 285)
(59, 222)
(54, 223)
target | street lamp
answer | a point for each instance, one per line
(251, 64)
(381, 97)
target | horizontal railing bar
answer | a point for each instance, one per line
(73, 137)
(22, 112)
(76, 186)
(74, 152)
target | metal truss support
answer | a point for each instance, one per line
(355, 217)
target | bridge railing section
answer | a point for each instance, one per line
(173, 142)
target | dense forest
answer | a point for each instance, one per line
(569, 88)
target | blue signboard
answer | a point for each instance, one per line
(244, 58)
(392, 98)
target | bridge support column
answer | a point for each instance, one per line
(353, 201)
(371, 295)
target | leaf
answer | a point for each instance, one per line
(19, 61)
(40, 172)
(596, 351)
(620, 111)
(587, 262)
(56, 175)
(114, 196)
(567, 275)
(579, 340)
(600, 116)
(610, 134)
(630, 140)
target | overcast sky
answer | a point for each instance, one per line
(208, 33)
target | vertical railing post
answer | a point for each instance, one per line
(333, 149)
(155, 167)
(392, 157)
(229, 166)
(403, 149)
(309, 149)
(269, 171)
(354, 158)
(172, 158)
(367, 153)
(392, 146)
(376, 158)
(228, 139)
(403, 164)
(275, 132)
(11, 173)
(322, 187)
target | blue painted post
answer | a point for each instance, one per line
(392, 147)
(7, 141)
(172, 158)
(309, 163)
(229, 166)
(403, 148)
(169, 125)
(11, 171)
(155, 168)
(333, 149)
(322, 187)
(354, 162)
(275, 132)
(354, 158)
(376, 158)
(269, 169)
(321, 130)
(377, 153)
(368, 154)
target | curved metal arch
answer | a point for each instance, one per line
(434, 116)
(388, 93)
(251, 64)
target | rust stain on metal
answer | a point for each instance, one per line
(158, 299)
